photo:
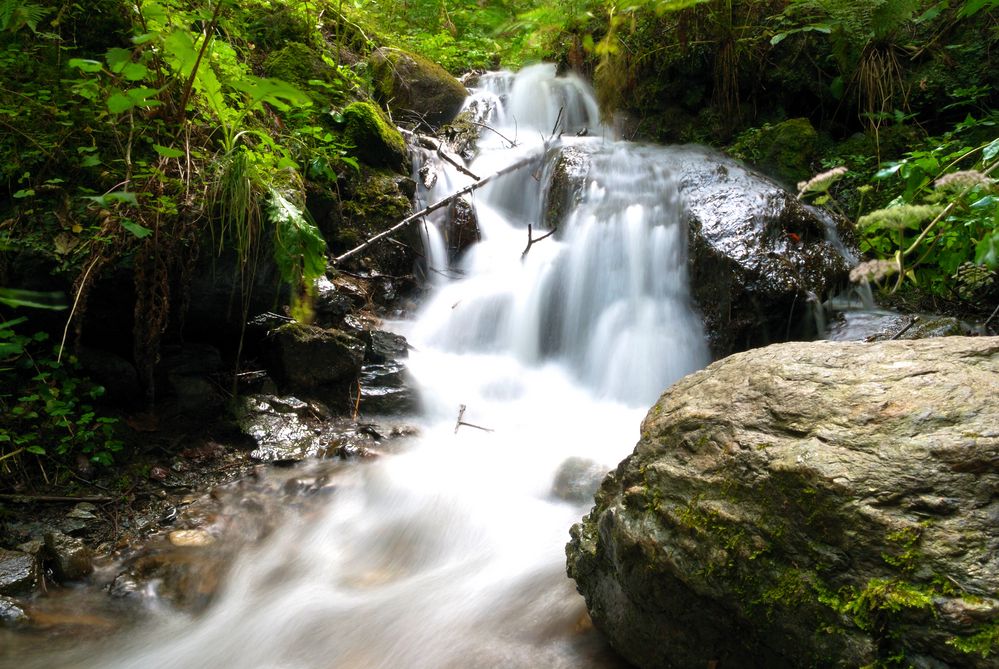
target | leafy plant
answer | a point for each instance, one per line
(46, 407)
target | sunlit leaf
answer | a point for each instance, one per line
(135, 228)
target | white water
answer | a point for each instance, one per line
(452, 553)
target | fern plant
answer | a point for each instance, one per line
(16, 14)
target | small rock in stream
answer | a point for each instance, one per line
(11, 612)
(70, 558)
(18, 572)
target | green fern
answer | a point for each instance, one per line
(16, 14)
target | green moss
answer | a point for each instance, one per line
(786, 149)
(983, 643)
(376, 142)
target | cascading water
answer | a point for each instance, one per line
(450, 554)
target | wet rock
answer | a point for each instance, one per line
(462, 228)
(577, 479)
(191, 538)
(883, 325)
(385, 346)
(11, 612)
(18, 572)
(82, 511)
(187, 579)
(310, 357)
(281, 429)
(332, 304)
(413, 86)
(758, 257)
(69, 557)
(806, 504)
(385, 386)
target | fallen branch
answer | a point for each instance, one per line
(531, 240)
(437, 205)
(461, 415)
(434, 145)
(28, 499)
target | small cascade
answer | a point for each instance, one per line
(451, 554)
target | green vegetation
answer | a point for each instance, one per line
(137, 138)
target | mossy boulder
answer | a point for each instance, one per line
(817, 504)
(413, 86)
(785, 150)
(307, 358)
(375, 140)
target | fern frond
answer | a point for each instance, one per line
(16, 14)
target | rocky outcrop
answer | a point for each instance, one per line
(757, 255)
(807, 504)
(410, 84)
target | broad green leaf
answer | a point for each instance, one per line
(887, 171)
(135, 71)
(135, 228)
(35, 450)
(143, 96)
(168, 152)
(86, 65)
(117, 59)
(122, 196)
(118, 103)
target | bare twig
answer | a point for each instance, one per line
(461, 415)
(435, 145)
(28, 499)
(996, 311)
(437, 205)
(512, 142)
(912, 321)
(531, 240)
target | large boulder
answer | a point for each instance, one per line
(410, 84)
(819, 504)
(758, 256)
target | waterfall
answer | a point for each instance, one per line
(450, 553)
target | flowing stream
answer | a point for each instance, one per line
(451, 552)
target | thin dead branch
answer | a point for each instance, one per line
(437, 205)
(531, 240)
(435, 145)
(29, 499)
(461, 416)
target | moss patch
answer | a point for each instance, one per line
(376, 142)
